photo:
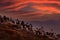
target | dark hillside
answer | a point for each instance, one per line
(18, 30)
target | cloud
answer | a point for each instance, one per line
(37, 12)
(33, 9)
(4, 3)
(52, 5)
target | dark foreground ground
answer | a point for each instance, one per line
(8, 32)
(15, 29)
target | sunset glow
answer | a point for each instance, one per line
(25, 8)
(46, 12)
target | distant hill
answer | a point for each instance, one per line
(19, 30)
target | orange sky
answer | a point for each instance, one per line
(45, 11)
(42, 6)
